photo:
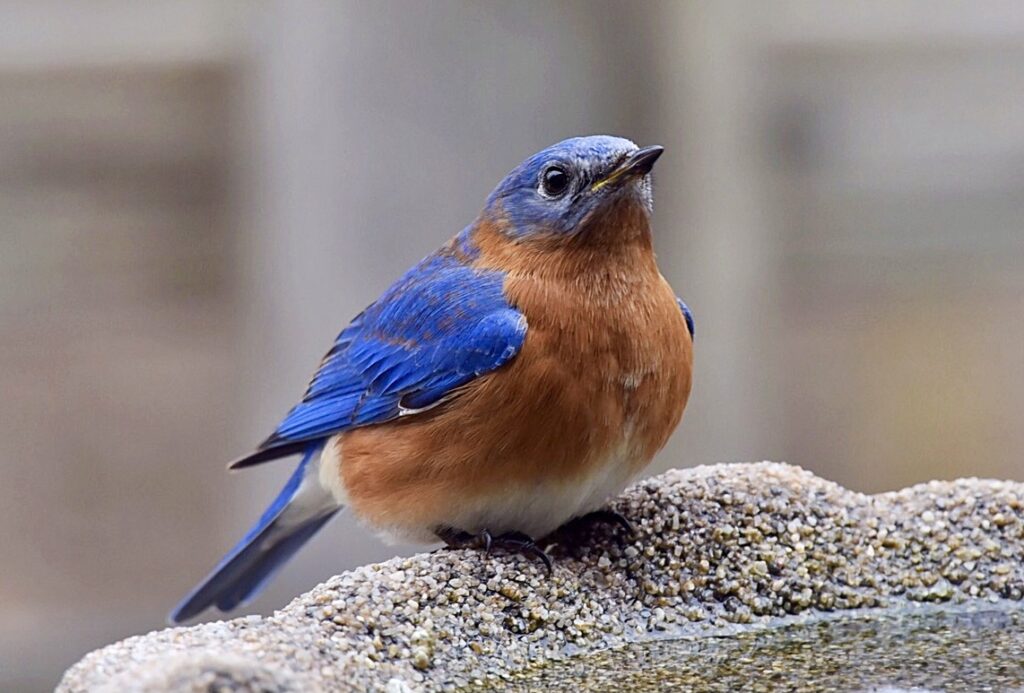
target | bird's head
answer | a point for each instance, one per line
(563, 189)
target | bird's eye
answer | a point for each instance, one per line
(554, 182)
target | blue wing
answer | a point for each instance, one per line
(438, 327)
(687, 315)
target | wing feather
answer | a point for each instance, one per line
(687, 315)
(440, 326)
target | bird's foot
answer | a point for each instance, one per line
(457, 539)
(604, 516)
(517, 542)
(572, 533)
(513, 542)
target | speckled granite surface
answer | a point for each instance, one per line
(716, 547)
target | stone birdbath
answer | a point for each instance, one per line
(753, 576)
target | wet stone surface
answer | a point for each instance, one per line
(903, 649)
(728, 546)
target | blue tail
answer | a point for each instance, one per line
(302, 508)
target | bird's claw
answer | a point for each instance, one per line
(517, 542)
(513, 542)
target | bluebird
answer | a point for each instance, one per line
(508, 384)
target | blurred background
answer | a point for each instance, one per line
(196, 196)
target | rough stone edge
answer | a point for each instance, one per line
(192, 665)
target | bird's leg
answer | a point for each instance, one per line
(513, 542)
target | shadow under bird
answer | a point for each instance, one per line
(508, 384)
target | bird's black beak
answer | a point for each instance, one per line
(641, 161)
(638, 163)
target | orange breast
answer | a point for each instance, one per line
(606, 363)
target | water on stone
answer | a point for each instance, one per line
(895, 650)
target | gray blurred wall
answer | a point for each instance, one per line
(196, 196)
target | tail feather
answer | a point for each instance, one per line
(301, 508)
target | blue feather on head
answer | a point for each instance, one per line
(557, 190)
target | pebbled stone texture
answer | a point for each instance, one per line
(716, 547)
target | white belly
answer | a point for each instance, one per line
(534, 509)
(539, 509)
